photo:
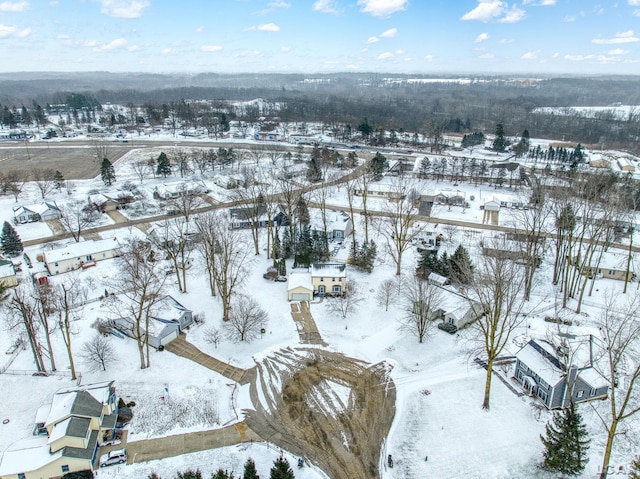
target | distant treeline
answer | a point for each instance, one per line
(389, 105)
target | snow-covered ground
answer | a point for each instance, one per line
(439, 429)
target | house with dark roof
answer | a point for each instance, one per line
(556, 375)
(79, 421)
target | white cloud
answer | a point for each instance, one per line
(382, 8)
(624, 37)
(133, 48)
(532, 55)
(513, 16)
(279, 4)
(485, 11)
(634, 3)
(486, 56)
(211, 48)
(90, 43)
(167, 51)
(124, 8)
(14, 6)
(617, 51)
(385, 55)
(371, 40)
(392, 32)
(428, 58)
(7, 31)
(325, 6)
(481, 38)
(579, 58)
(399, 52)
(200, 29)
(285, 49)
(539, 3)
(505, 41)
(268, 27)
(112, 45)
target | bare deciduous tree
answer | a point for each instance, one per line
(399, 226)
(387, 291)
(619, 366)
(21, 309)
(421, 301)
(78, 216)
(345, 303)
(138, 289)
(45, 179)
(67, 297)
(13, 182)
(142, 169)
(246, 319)
(98, 353)
(497, 287)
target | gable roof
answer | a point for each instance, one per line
(6, 269)
(329, 269)
(76, 403)
(73, 427)
(83, 248)
(300, 280)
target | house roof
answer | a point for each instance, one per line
(72, 427)
(6, 269)
(39, 208)
(83, 248)
(329, 269)
(27, 455)
(542, 364)
(300, 280)
(76, 403)
(336, 220)
(80, 452)
(169, 309)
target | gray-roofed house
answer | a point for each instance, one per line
(80, 419)
(166, 323)
(544, 372)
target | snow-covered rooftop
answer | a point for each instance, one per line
(36, 449)
(300, 279)
(83, 248)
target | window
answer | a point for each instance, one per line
(580, 394)
(321, 279)
(333, 280)
(336, 289)
(592, 392)
(21, 475)
(65, 468)
(56, 263)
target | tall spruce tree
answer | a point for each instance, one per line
(499, 142)
(566, 443)
(460, 266)
(58, 180)
(250, 471)
(378, 166)
(107, 172)
(10, 240)
(281, 469)
(163, 165)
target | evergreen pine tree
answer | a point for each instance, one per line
(302, 212)
(58, 180)
(460, 266)
(314, 173)
(250, 471)
(107, 172)
(634, 473)
(220, 474)
(499, 142)
(377, 166)
(287, 247)
(281, 469)
(566, 443)
(153, 475)
(190, 474)
(163, 165)
(10, 241)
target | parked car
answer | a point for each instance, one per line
(117, 456)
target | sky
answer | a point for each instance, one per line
(321, 36)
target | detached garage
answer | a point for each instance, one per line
(300, 287)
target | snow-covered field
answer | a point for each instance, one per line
(439, 429)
